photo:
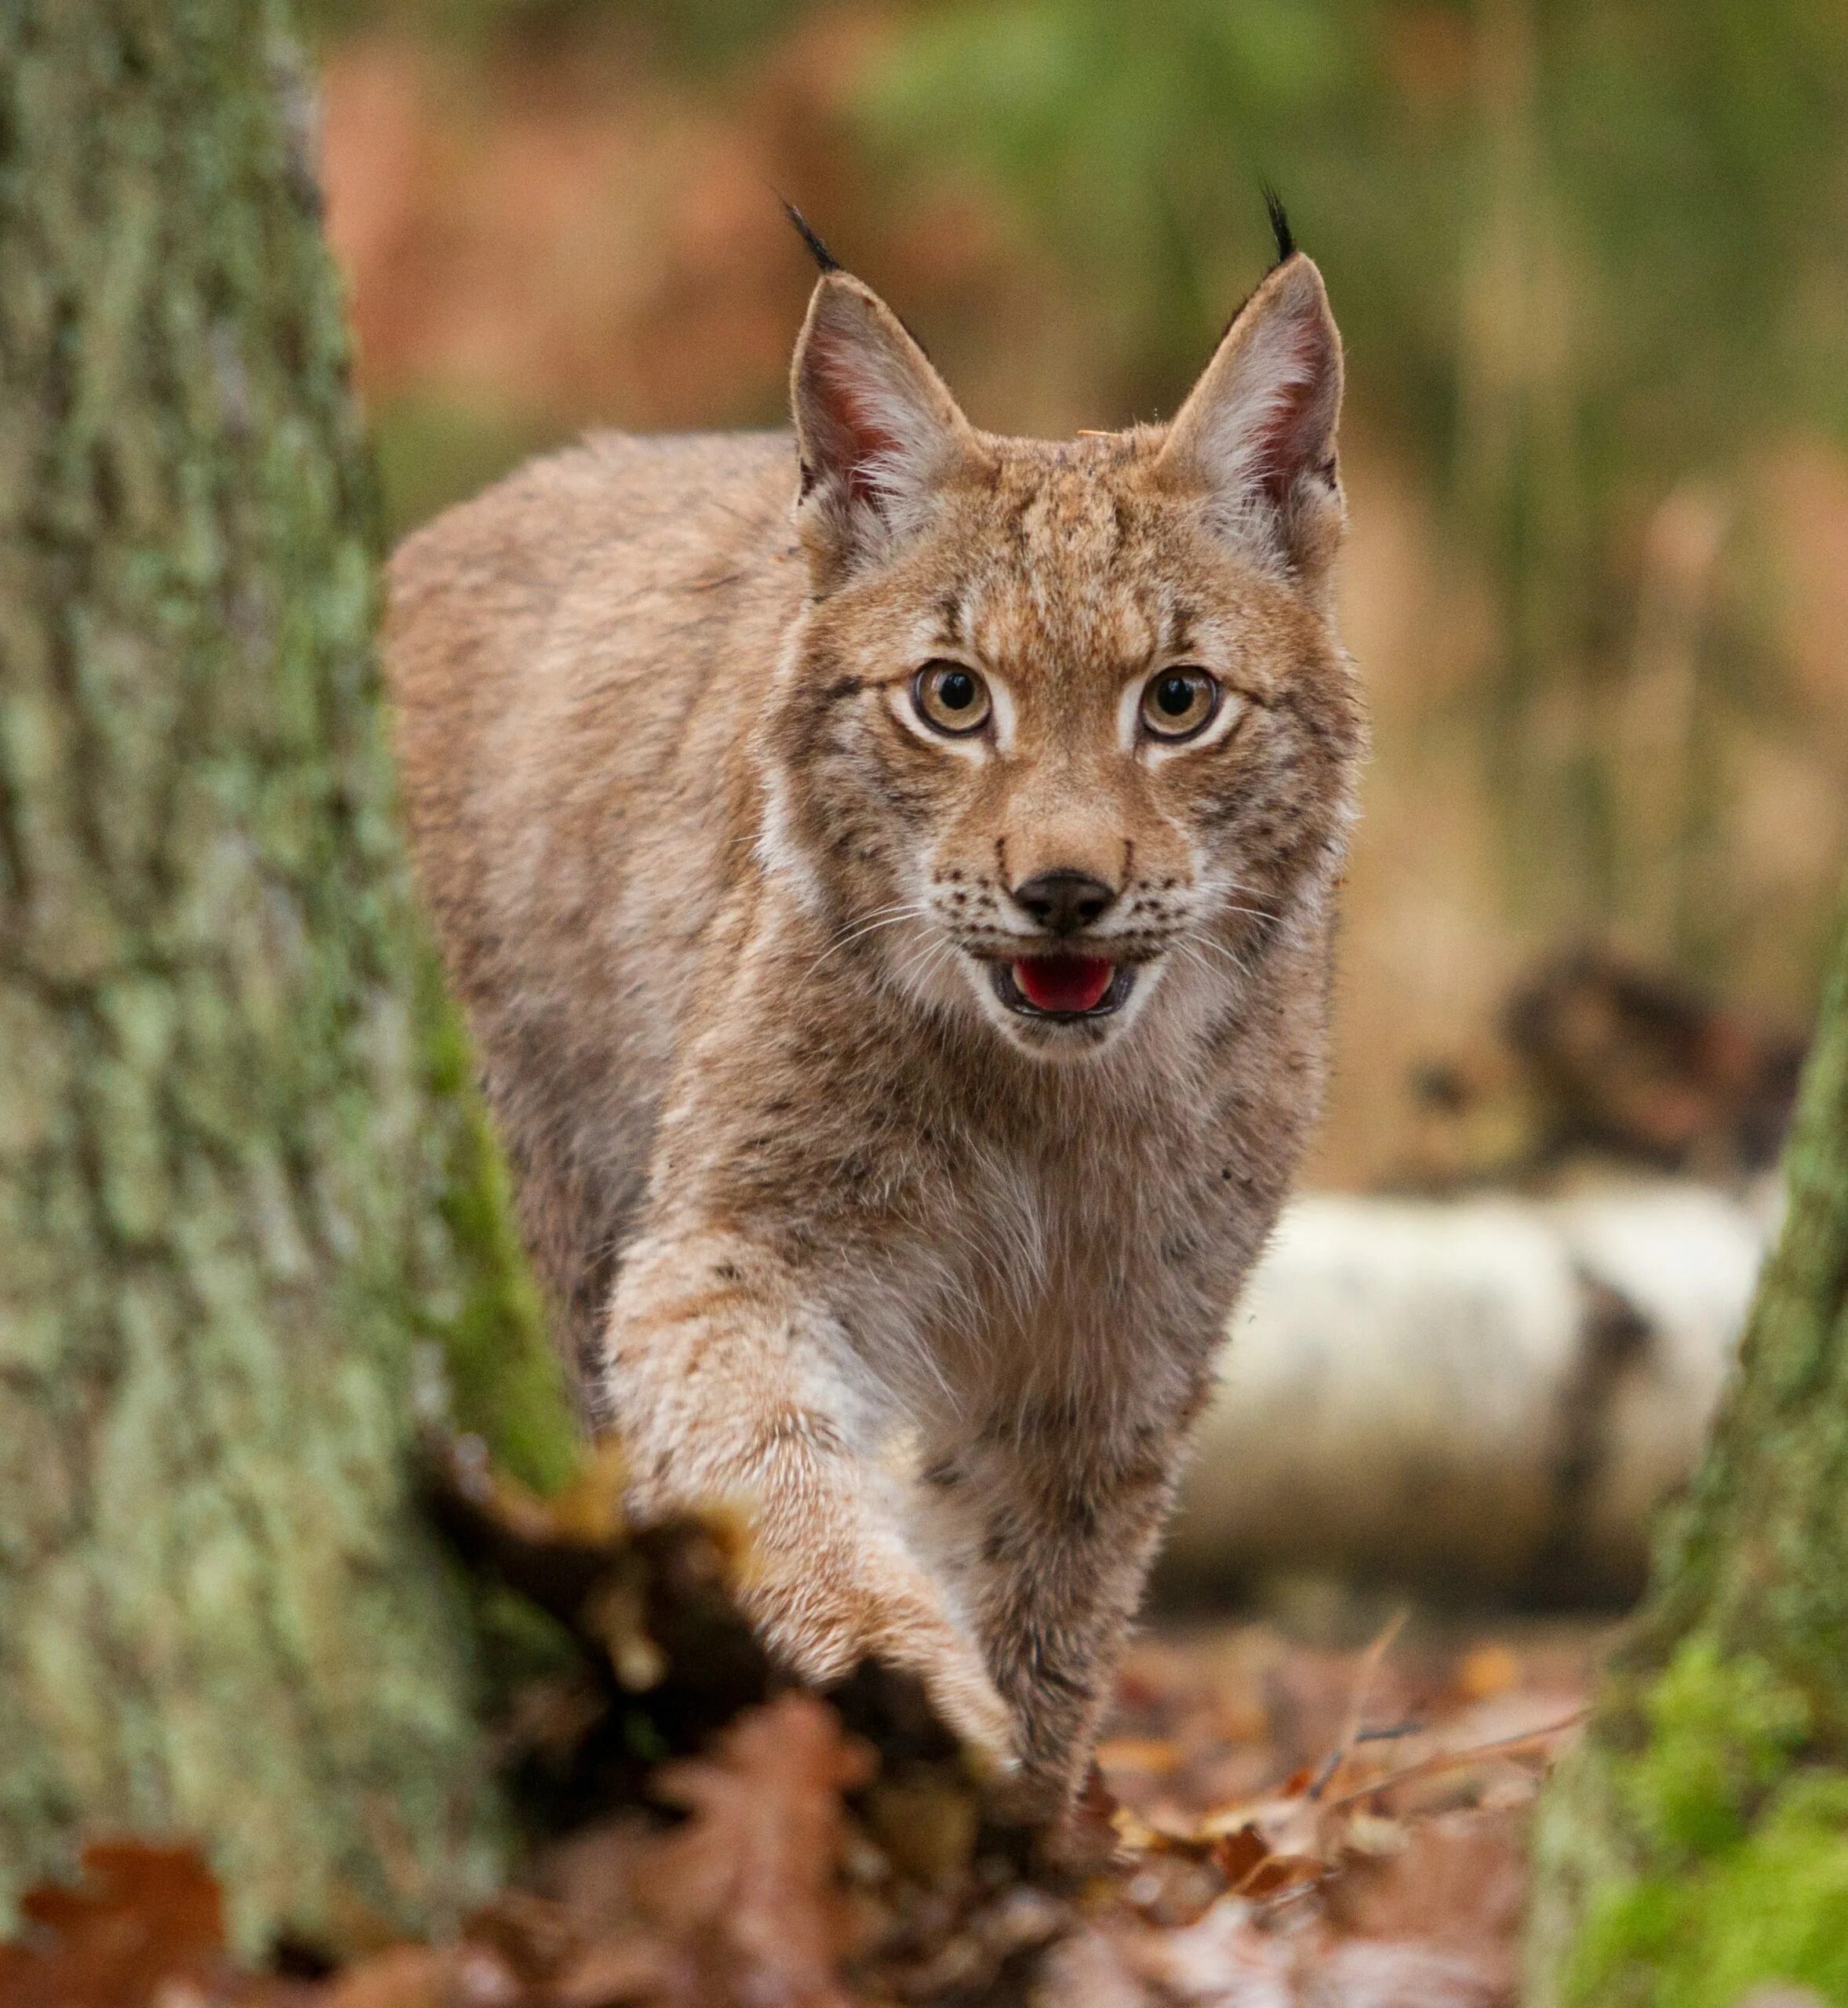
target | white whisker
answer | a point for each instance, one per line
(884, 917)
(1194, 944)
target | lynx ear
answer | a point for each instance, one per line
(1257, 435)
(876, 429)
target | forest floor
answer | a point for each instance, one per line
(1279, 1822)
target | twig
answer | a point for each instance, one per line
(1363, 1680)
(1449, 1760)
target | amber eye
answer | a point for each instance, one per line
(950, 698)
(1178, 703)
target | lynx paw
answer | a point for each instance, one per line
(823, 1623)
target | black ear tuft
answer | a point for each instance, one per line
(1280, 227)
(818, 251)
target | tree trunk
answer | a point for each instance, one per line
(238, 1180)
(1696, 1844)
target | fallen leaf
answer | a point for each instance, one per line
(617, 1973)
(1277, 1874)
(1456, 1880)
(1157, 1755)
(398, 1977)
(749, 1887)
(1489, 1669)
(1237, 1854)
(143, 1922)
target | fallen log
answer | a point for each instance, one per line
(1481, 1395)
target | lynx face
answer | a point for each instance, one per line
(1064, 726)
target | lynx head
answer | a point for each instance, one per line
(1064, 728)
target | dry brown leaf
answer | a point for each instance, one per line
(1237, 1854)
(1383, 1873)
(1366, 1676)
(1372, 1972)
(627, 1972)
(576, 1938)
(467, 1975)
(1157, 1755)
(1229, 1959)
(586, 1883)
(1487, 1670)
(748, 1887)
(143, 1922)
(1457, 1880)
(1281, 1874)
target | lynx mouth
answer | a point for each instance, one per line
(1065, 988)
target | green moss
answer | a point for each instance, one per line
(1771, 1907)
(506, 1384)
(1746, 1849)
(1722, 1731)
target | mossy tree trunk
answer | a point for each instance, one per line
(1696, 1844)
(239, 1184)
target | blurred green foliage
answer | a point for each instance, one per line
(433, 450)
(709, 35)
(1133, 139)
(1587, 255)
(1582, 253)
(1686, 161)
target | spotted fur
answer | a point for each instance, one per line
(932, 1287)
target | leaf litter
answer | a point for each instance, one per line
(1273, 1822)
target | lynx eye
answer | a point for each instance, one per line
(1179, 703)
(950, 698)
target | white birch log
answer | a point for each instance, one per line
(1490, 1393)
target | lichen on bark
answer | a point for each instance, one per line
(1696, 1845)
(239, 1172)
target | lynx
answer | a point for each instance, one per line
(890, 877)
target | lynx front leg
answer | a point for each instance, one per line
(725, 1382)
(1061, 1541)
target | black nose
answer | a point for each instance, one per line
(1062, 902)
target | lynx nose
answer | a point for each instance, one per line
(1064, 902)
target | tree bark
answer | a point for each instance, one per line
(1696, 1845)
(238, 1179)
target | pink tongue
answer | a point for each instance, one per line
(1064, 982)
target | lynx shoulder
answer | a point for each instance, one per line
(888, 872)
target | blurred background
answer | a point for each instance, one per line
(1591, 260)
(1590, 264)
